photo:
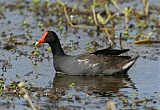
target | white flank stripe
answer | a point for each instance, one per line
(84, 61)
(93, 65)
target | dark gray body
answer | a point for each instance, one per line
(105, 61)
(90, 64)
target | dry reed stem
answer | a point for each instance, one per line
(94, 15)
(26, 96)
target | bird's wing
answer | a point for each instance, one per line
(110, 51)
(110, 59)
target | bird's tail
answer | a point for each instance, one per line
(129, 63)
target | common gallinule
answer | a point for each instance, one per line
(102, 62)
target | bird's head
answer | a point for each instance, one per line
(47, 37)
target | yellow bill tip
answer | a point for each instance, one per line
(36, 43)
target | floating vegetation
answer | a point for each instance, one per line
(146, 39)
(128, 12)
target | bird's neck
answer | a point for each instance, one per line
(57, 49)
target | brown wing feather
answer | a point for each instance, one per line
(109, 60)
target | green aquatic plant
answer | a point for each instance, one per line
(108, 13)
(61, 28)
(48, 48)
(17, 75)
(133, 99)
(126, 11)
(35, 52)
(88, 47)
(124, 100)
(48, 3)
(41, 26)
(66, 15)
(61, 3)
(2, 86)
(126, 32)
(71, 86)
(35, 2)
(94, 16)
(146, 39)
(102, 21)
(94, 4)
(140, 24)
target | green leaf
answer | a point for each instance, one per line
(61, 3)
(72, 41)
(140, 24)
(35, 2)
(126, 32)
(134, 94)
(127, 10)
(149, 35)
(100, 19)
(130, 9)
(35, 52)
(49, 48)
(71, 86)
(94, 3)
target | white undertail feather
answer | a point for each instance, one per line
(128, 64)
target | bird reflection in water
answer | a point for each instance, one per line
(94, 83)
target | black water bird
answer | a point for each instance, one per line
(102, 62)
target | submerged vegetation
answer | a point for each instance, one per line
(104, 23)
